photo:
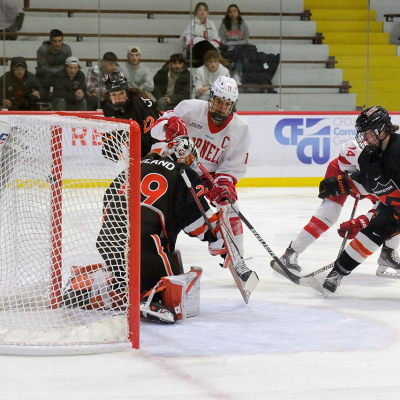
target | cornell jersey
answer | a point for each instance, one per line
(348, 161)
(222, 150)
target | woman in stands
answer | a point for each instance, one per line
(233, 32)
(199, 36)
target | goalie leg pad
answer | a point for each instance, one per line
(182, 293)
(93, 287)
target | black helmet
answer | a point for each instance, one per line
(374, 118)
(116, 81)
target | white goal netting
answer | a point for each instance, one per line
(53, 178)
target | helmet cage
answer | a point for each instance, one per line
(182, 150)
(116, 82)
(224, 89)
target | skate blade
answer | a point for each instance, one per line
(387, 274)
(325, 292)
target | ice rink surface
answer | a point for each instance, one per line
(288, 343)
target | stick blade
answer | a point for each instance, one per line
(297, 279)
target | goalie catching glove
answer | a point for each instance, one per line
(222, 194)
(334, 186)
(174, 127)
(353, 226)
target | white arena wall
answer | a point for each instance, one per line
(288, 148)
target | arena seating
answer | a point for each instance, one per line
(369, 60)
(306, 66)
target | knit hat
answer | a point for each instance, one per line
(18, 61)
(134, 49)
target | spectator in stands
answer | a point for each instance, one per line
(22, 88)
(207, 74)
(172, 83)
(51, 57)
(11, 18)
(139, 76)
(96, 77)
(233, 32)
(246, 64)
(200, 35)
(70, 87)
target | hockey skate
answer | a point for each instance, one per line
(155, 311)
(332, 282)
(389, 258)
(289, 260)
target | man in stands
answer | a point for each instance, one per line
(22, 88)
(139, 76)
(51, 57)
(70, 88)
(208, 73)
(222, 138)
(172, 83)
(96, 78)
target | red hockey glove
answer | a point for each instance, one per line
(175, 127)
(223, 194)
(334, 186)
(353, 226)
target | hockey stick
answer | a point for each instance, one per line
(353, 212)
(196, 199)
(245, 279)
(329, 266)
(279, 266)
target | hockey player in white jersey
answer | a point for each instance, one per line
(221, 137)
(328, 214)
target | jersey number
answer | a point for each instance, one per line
(148, 124)
(153, 186)
(350, 153)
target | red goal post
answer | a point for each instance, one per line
(52, 181)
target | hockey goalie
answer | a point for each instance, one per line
(167, 207)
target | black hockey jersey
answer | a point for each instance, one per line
(165, 196)
(141, 110)
(380, 172)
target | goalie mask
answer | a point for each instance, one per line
(223, 98)
(116, 87)
(370, 124)
(182, 150)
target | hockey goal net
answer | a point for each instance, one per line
(53, 178)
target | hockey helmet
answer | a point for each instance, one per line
(223, 98)
(370, 123)
(115, 82)
(182, 150)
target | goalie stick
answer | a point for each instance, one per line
(245, 279)
(278, 266)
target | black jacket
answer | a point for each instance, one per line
(141, 110)
(182, 85)
(65, 87)
(20, 92)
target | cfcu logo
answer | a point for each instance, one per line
(310, 135)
